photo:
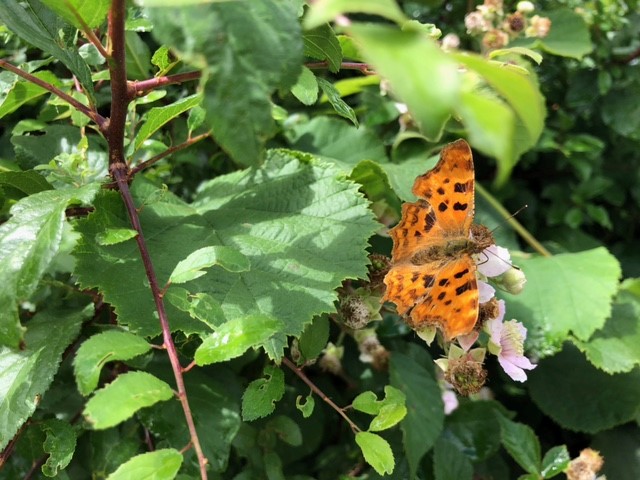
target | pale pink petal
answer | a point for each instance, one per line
(496, 260)
(516, 373)
(450, 401)
(467, 341)
(487, 292)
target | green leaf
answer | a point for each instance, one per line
(286, 429)
(619, 446)
(249, 50)
(111, 236)
(565, 293)
(26, 374)
(160, 464)
(214, 399)
(327, 10)
(307, 407)
(260, 397)
(475, 428)
(522, 444)
(425, 410)
(92, 12)
(200, 306)
(620, 114)
(321, 43)
(339, 105)
(59, 444)
(388, 412)
(193, 266)
(160, 116)
(40, 27)
(123, 397)
(388, 416)
(99, 349)
(367, 402)
(535, 56)
(29, 241)
(338, 141)
(26, 183)
(568, 36)
(23, 92)
(314, 338)
(235, 337)
(560, 384)
(376, 451)
(449, 463)
(306, 88)
(555, 461)
(430, 87)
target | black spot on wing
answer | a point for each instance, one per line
(443, 207)
(428, 281)
(429, 221)
(460, 206)
(461, 273)
(463, 288)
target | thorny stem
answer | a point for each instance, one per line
(298, 371)
(168, 151)
(92, 114)
(362, 67)
(517, 226)
(119, 170)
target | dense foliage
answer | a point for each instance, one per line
(195, 201)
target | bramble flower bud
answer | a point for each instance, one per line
(495, 39)
(585, 466)
(371, 350)
(525, 7)
(451, 41)
(516, 22)
(331, 361)
(539, 27)
(476, 23)
(379, 267)
(466, 375)
(513, 280)
(355, 312)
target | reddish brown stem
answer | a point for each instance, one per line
(92, 114)
(87, 31)
(167, 152)
(114, 133)
(298, 371)
(362, 67)
(139, 88)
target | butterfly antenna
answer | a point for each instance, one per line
(511, 216)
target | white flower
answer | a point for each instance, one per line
(525, 7)
(450, 400)
(493, 261)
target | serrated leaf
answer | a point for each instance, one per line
(376, 452)
(23, 92)
(430, 88)
(616, 348)
(560, 384)
(306, 407)
(425, 410)
(570, 292)
(25, 375)
(27, 182)
(302, 225)
(29, 240)
(92, 12)
(235, 337)
(306, 88)
(522, 444)
(326, 10)
(193, 266)
(123, 397)
(60, 444)
(40, 27)
(261, 395)
(99, 349)
(339, 105)
(160, 464)
(249, 50)
(314, 338)
(111, 236)
(367, 402)
(555, 461)
(476, 430)
(449, 463)
(160, 116)
(321, 43)
(388, 416)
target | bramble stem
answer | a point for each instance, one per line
(517, 226)
(362, 67)
(167, 152)
(139, 88)
(114, 133)
(298, 371)
(89, 112)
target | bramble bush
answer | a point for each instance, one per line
(195, 200)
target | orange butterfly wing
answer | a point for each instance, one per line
(433, 277)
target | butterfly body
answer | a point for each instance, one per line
(432, 279)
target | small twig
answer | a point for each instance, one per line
(92, 114)
(517, 226)
(87, 31)
(139, 88)
(365, 68)
(189, 367)
(167, 152)
(298, 371)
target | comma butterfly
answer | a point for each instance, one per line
(432, 279)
